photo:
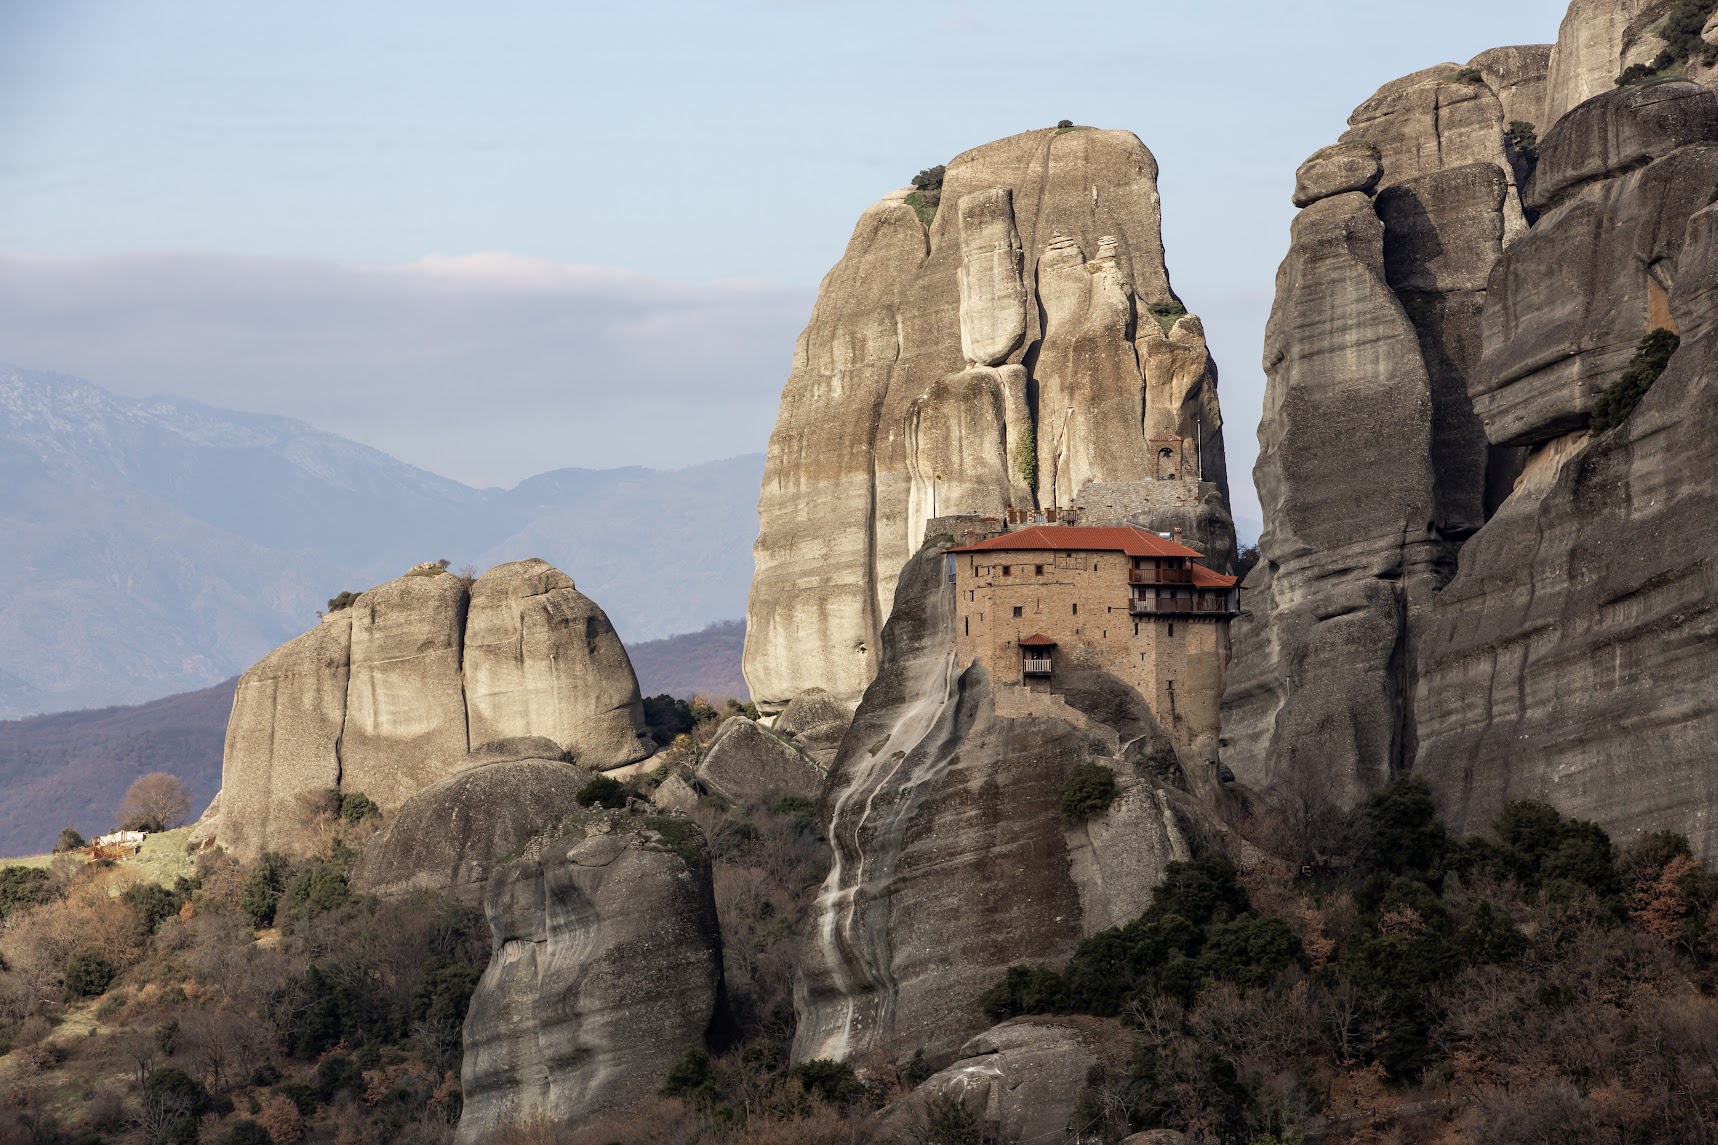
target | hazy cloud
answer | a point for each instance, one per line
(484, 367)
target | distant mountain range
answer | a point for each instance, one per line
(158, 546)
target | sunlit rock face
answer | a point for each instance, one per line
(607, 968)
(420, 679)
(1006, 355)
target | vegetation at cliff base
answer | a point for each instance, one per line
(1026, 458)
(927, 193)
(1391, 982)
(1619, 400)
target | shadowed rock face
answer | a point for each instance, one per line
(952, 861)
(607, 968)
(943, 365)
(450, 836)
(419, 679)
(1373, 464)
(1571, 659)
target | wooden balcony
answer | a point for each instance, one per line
(1211, 604)
(1160, 576)
(1037, 666)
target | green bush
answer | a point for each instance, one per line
(1064, 124)
(337, 1074)
(667, 717)
(791, 805)
(70, 840)
(927, 193)
(153, 903)
(949, 1121)
(1088, 790)
(1167, 313)
(88, 973)
(1466, 75)
(693, 1076)
(602, 791)
(260, 893)
(22, 888)
(343, 600)
(832, 1080)
(355, 807)
(244, 1131)
(1651, 357)
(317, 889)
(1025, 460)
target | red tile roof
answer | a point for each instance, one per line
(1210, 578)
(1084, 538)
(1038, 641)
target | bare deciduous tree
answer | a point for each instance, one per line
(154, 802)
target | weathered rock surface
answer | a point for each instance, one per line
(747, 764)
(607, 968)
(541, 659)
(1371, 355)
(1022, 1079)
(817, 721)
(1314, 681)
(951, 858)
(450, 836)
(1337, 169)
(417, 680)
(944, 367)
(1571, 659)
(1620, 176)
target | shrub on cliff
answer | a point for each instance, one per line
(927, 193)
(1088, 790)
(1619, 400)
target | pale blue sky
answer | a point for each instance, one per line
(687, 144)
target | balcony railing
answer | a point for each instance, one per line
(1212, 604)
(1037, 666)
(1160, 576)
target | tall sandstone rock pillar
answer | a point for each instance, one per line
(1007, 354)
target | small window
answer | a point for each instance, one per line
(1136, 628)
(966, 625)
(1076, 609)
(1038, 570)
(1006, 570)
(1019, 611)
(1172, 628)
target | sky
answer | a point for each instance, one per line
(504, 237)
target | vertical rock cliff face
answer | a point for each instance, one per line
(1371, 343)
(1572, 658)
(607, 968)
(1005, 355)
(1456, 578)
(419, 679)
(952, 861)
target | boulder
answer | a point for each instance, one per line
(747, 764)
(541, 659)
(418, 680)
(451, 835)
(1598, 40)
(676, 793)
(1041, 273)
(1337, 169)
(1022, 1079)
(607, 968)
(816, 721)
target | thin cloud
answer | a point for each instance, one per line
(486, 367)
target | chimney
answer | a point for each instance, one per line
(1176, 532)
